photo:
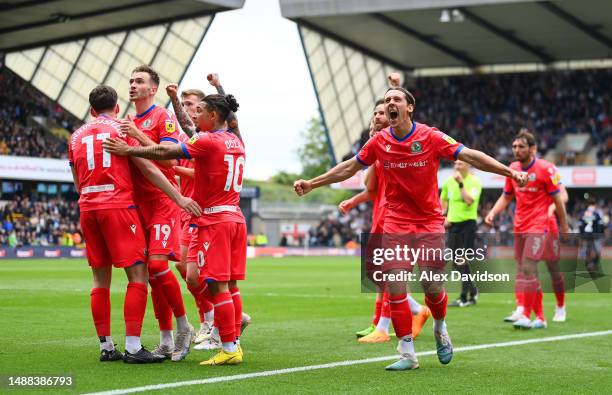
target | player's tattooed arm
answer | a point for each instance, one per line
(340, 172)
(232, 120)
(155, 152)
(181, 115)
(153, 174)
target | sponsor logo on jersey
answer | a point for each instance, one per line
(206, 245)
(388, 147)
(416, 147)
(555, 178)
(170, 127)
(404, 165)
(147, 123)
(449, 139)
(133, 228)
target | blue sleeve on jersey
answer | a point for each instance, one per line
(185, 151)
(361, 161)
(554, 192)
(173, 140)
(456, 154)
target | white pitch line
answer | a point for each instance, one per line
(268, 373)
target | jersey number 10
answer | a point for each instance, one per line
(234, 173)
(89, 144)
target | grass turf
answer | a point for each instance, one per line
(305, 312)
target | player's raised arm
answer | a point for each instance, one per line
(155, 152)
(340, 172)
(232, 120)
(153, 174)
(484, 162)
(181, 115)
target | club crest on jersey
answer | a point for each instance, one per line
(449, 139)
(388, 147)
(170, 127)
(531, 177)
(133, 228)
(416, 147)
(206, 245)
(147, 123)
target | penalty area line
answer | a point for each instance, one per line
(268, 373)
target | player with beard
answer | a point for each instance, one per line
(217, 252)
(160, 216)
(536, 234)
(411, 153)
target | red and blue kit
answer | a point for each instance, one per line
(160, 215)
(109, 219)
(219, 243)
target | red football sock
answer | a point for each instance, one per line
(386, 306)
(377, 310)
(100, 310)
(518, 289)
(163, 312)
(538, 307)
(134, 308)
(169, 285)
(237, 300)
(224, 317)
(558, 285)
(531, 289)
(437, 304)
(400, 315)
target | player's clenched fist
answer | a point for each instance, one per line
(345, 206)
(129, 127)
(520, 177)
(213, 78)
(395, 80)
(172, 90)
(302, 187)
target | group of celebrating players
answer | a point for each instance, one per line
(403, 158)
(134, 217)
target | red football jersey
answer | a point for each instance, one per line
(410, 167)
(532, 200)
(104, 179)
(219, 165)
(379, 200)
(160, 125)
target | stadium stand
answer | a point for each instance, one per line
(485, 111)
(23, 110)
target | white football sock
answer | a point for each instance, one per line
(406, 345)
(210, 316)
(182, 325)
(440, 326)
(383, 324)
(107, 344)
(165, 339)
(230, 346)
(415, 307)
(132, 344)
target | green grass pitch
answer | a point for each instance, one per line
(305, 312)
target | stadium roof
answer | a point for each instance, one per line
(95, 42)
(417, 34)
(28, 23)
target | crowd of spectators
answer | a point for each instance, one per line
(18, 134)
(485, 111)
(40, 223)
(339, 230)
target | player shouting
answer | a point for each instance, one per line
(218, 246)
(111, 225)
(410, 153)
